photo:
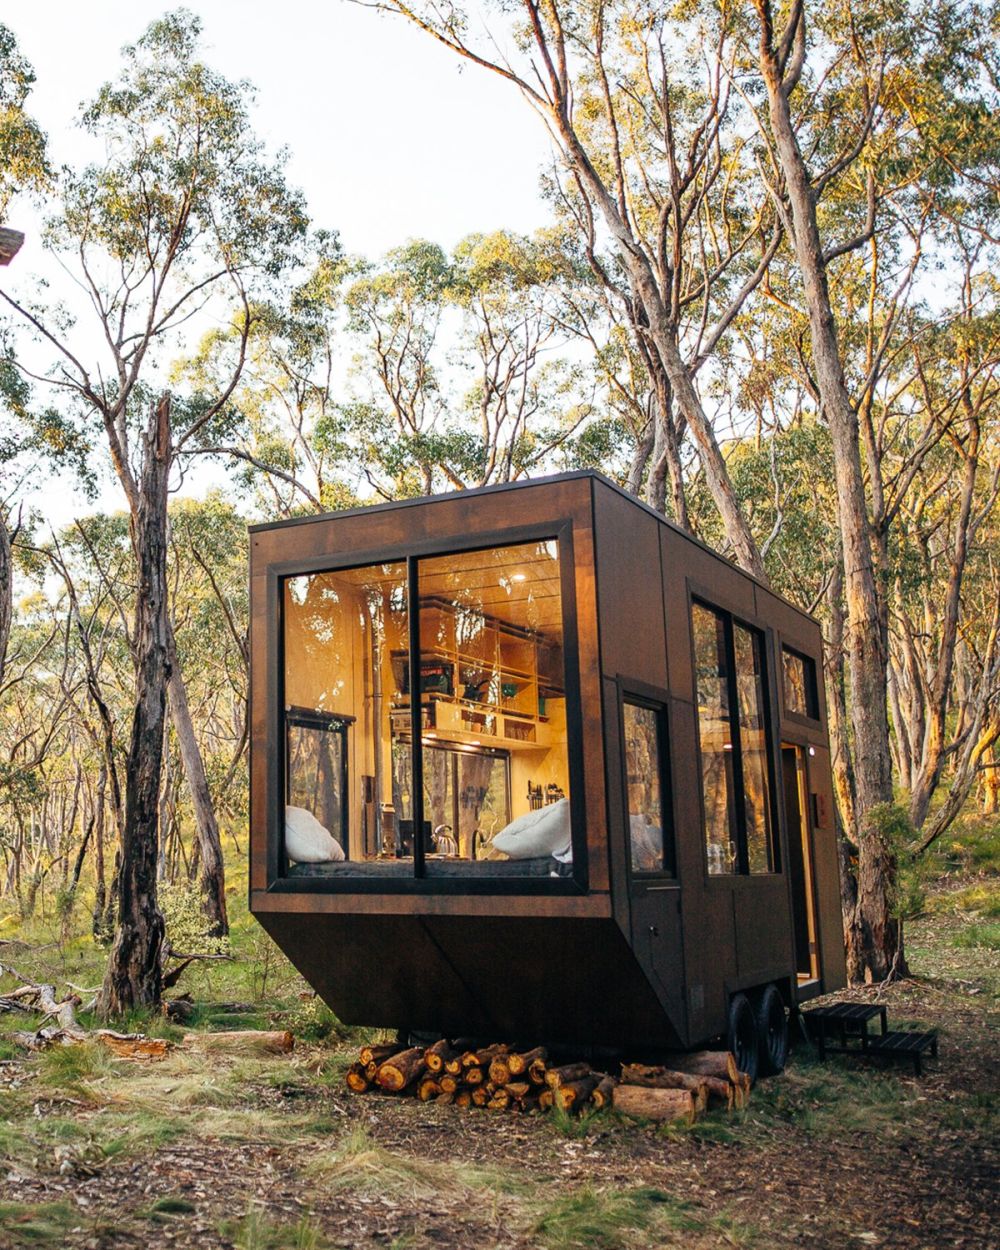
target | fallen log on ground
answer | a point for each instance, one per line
(256, 1041)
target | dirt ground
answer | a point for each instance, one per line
(196, 1152)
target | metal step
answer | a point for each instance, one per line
(842, 1029)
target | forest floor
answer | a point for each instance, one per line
(268, 1154)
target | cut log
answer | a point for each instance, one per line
(371, 1070)
(720, 1093)
(603, 1092)
(257, 1041)
(500, 1072)
(555, 1077)
(453, 1065)
(521, 1062)
(667, 1078)
(474, 1076)
(654, 1104)
(546, 1099)
(719, 1063)
(481, 1096)
(572, 1094)
(444, 1099)
(483, 1057)
(397, 1072)
(449, 1084)
(500, 1100)
(428, 1089)
(463, 1098)
(660, 1078)
(379, 1054)
(537, 1071)
(518, 1090)
(357, 1078)
(435, 1056)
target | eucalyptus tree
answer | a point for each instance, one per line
(877, 134)
(23, 168)
(184, 216)
(637, 101)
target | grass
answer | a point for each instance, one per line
(41, 1224)
(256, 1231)
(978, 937)
(602, 1218)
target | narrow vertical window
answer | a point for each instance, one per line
(715, 739)
(651, 846)
(735, 749)
(753, 748)
(801, 694)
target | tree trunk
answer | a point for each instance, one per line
(133, 976)
(213, 882)
(6, 592)
(880, 933)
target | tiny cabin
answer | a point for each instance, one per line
(531, 763)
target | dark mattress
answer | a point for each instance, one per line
(545, 866)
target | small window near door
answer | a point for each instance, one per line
(801, 694)
(648, 815)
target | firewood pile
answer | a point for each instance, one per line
(501, 1078)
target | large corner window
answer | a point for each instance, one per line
(734, 744)
(425, 718)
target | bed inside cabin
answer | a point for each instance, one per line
(489, 683)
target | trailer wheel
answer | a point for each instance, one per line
(742, 1036)
(772, 1032)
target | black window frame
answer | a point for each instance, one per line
(639, 695)
(329, 722)
(810, 669)
(730, 620)
(558, 531)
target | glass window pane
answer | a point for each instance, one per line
(715, 739)
(645, 796)
(800, 684)
(493, 708)
(753, 743)
(348, 791)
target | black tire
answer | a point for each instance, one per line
(741, 1035)
(772, 1032)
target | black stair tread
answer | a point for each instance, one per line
(904, 1041)
(845, 1011)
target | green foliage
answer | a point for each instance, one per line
(23, 162)
(313, 1021)
(186, 923)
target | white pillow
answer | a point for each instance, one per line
(307, 841)
(537, 834)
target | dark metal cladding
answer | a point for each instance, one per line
(625, 945)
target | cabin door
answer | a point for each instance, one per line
(800, 864)
(655, 896)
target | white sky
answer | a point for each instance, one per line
(390, 136)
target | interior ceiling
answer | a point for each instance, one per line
(517, 585)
